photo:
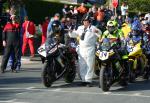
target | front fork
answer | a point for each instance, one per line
(122, 70)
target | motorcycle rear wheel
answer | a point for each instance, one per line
(70, 74)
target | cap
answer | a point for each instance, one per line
(57, 14)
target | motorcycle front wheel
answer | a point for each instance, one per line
(46, 78)
(132, 75)
(104, 79)
(70, 74)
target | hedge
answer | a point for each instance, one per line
(138, 5)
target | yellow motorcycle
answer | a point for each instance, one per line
(110, 68)
(137, 60)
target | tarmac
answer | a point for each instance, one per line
(26, 59)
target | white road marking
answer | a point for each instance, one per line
(137, 94)
(109, 93)
(19, 93)
(12, 101)
(30, 88)
(106, 93)
(59, 90)
(8, 101)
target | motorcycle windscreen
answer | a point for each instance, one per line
(105, 46)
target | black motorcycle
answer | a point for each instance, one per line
(59, 63)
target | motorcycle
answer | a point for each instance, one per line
(59, 63)
(146, 50)
(111, 70)
(137, 59)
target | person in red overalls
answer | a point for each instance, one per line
(28, 34)
(44, 29)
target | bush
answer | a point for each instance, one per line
(138, 5)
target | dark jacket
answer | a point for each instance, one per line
(11, 33)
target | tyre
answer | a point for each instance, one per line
(46, 78)
(146, 73)
(70, 74)
(97, 68)
(132, 75)
(104, 79)
(97, 72)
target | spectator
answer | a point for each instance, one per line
(108, 13)
(75, 12)
(90, 14)
(11, 43)
(100, 15)
(119, 20)
(126, 27)
(81, 11)
(28, 36)
(124, 9)
(44, 29)
(66, 11)
(94, 8)
(71, 10)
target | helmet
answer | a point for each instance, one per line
(56, 26)
(135, 18)
(136, 25)
(112, 23)
(112, 26)
(128, 20)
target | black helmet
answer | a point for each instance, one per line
(56, 26)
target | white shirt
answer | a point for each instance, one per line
(90, 37)
(124, 10)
